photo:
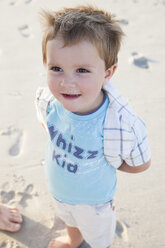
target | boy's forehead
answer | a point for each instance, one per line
(55, 42)
(82, 53)
(79, 46)
(61, 43)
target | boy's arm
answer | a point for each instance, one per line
(134, 169)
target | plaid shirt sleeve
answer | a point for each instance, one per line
(140, 152)
(42, 100)
(125, 136)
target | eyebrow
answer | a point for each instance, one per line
(75, 65)
(83, 65)
(53, 64)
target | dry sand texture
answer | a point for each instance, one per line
(140, 199)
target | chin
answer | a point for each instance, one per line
(71, 109)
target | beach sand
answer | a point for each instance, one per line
(140, 198)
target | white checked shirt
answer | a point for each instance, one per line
(125, 137)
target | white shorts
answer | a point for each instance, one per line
(97, 223)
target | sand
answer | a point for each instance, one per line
(140, 198)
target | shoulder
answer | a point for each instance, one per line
(43, 97)
(42, 100)
(119, 111)
(43, 94)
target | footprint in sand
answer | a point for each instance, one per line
(14, 2)
(11, 196)
(15, 94)
(16, 136)
(7, 196)
(157, 2)
(124, 22)
(24, 31)
(26, 195)
(9, 244)
(16, 147)
(139, 60)
(28, 1)
(121, 230)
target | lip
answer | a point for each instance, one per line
(70, 96)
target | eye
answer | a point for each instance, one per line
(56, 68)
(82, 70)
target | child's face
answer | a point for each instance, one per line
(76, 75)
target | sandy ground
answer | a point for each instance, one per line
(140, 199)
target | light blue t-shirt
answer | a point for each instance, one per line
(76, 168)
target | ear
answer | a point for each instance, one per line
(109, 73)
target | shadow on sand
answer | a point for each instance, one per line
(35, 235)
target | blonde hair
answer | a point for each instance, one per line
(73, 25)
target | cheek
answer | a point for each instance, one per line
(52, 84)
(51, 80)
(91, 87)
(90, 92)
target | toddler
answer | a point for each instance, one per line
(92, 130)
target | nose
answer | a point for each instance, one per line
(68, 81)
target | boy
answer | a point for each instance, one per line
(92, 130)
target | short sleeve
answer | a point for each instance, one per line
(140, 152)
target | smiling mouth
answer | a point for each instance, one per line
(71, 96)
